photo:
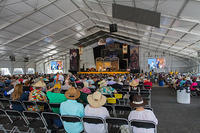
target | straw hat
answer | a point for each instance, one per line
(39, 84)
(134, 83)
(102, 83)
(72, 93)
(96, 99)
(137, 101)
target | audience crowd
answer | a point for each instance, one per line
(75, 91)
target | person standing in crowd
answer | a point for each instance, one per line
(73, 108)
(96, 101)
(140, 113)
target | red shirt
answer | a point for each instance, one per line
(21, 80)
(149, 84)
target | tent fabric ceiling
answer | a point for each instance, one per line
(39, 29)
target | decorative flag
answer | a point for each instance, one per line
(80, 50)
(125, 48)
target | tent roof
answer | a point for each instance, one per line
(39, 29)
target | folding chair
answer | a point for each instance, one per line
(18, 121)
(46, 106)
(52, 120)
(54, 105)
(4, 103)
(110, 109)
(69, 118)
(146, 95)
(122, 111)
(94, 120)
(148, 108)
(73, 119)
(5, 122)
(17, 104)
(144, 124)
(34, 120)
(27, 104)
(108, 95)
(114, 124)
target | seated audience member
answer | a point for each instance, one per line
(148, 84)
(2, 84)
(104, 89)
(27, 86)
(141, 114)
(134, 84)
(182, 82)
(37, 95)
(96, 101)
(110, 81)
(193, 84)
(85, 90)
(188, 82)
(19, 95)
(10, 89)
(54, 96)
(72, 107)
(91, 83)
(118, 85)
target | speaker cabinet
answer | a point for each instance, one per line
(113, 27)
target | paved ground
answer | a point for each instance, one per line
(174, 117)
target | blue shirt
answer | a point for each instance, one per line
(182, 82)
(72, 107)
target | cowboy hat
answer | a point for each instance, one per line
(39, 84)
(134, 83)
(72, 93)
(96, 99)
(137, 101)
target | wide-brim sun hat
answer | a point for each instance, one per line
(96, 99)
(134, 83)
(72, 93)
(102, 83)
(138, 101)
(39, 84)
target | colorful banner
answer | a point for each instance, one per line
(74, 59)
(125, 48)
(134, 57)
(80, 50)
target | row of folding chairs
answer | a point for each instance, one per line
(31, 122)
(146, 95)
(121, 111)
(7, 104)
(116, 110)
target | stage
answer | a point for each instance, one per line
(111, 73)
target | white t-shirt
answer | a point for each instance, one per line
(98, 112)
(61, 78)
(142, 115)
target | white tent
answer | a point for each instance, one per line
(46, 29)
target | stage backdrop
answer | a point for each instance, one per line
(134, 58)
(74, 59)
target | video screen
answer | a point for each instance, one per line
(56, 65)
(156, 63)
